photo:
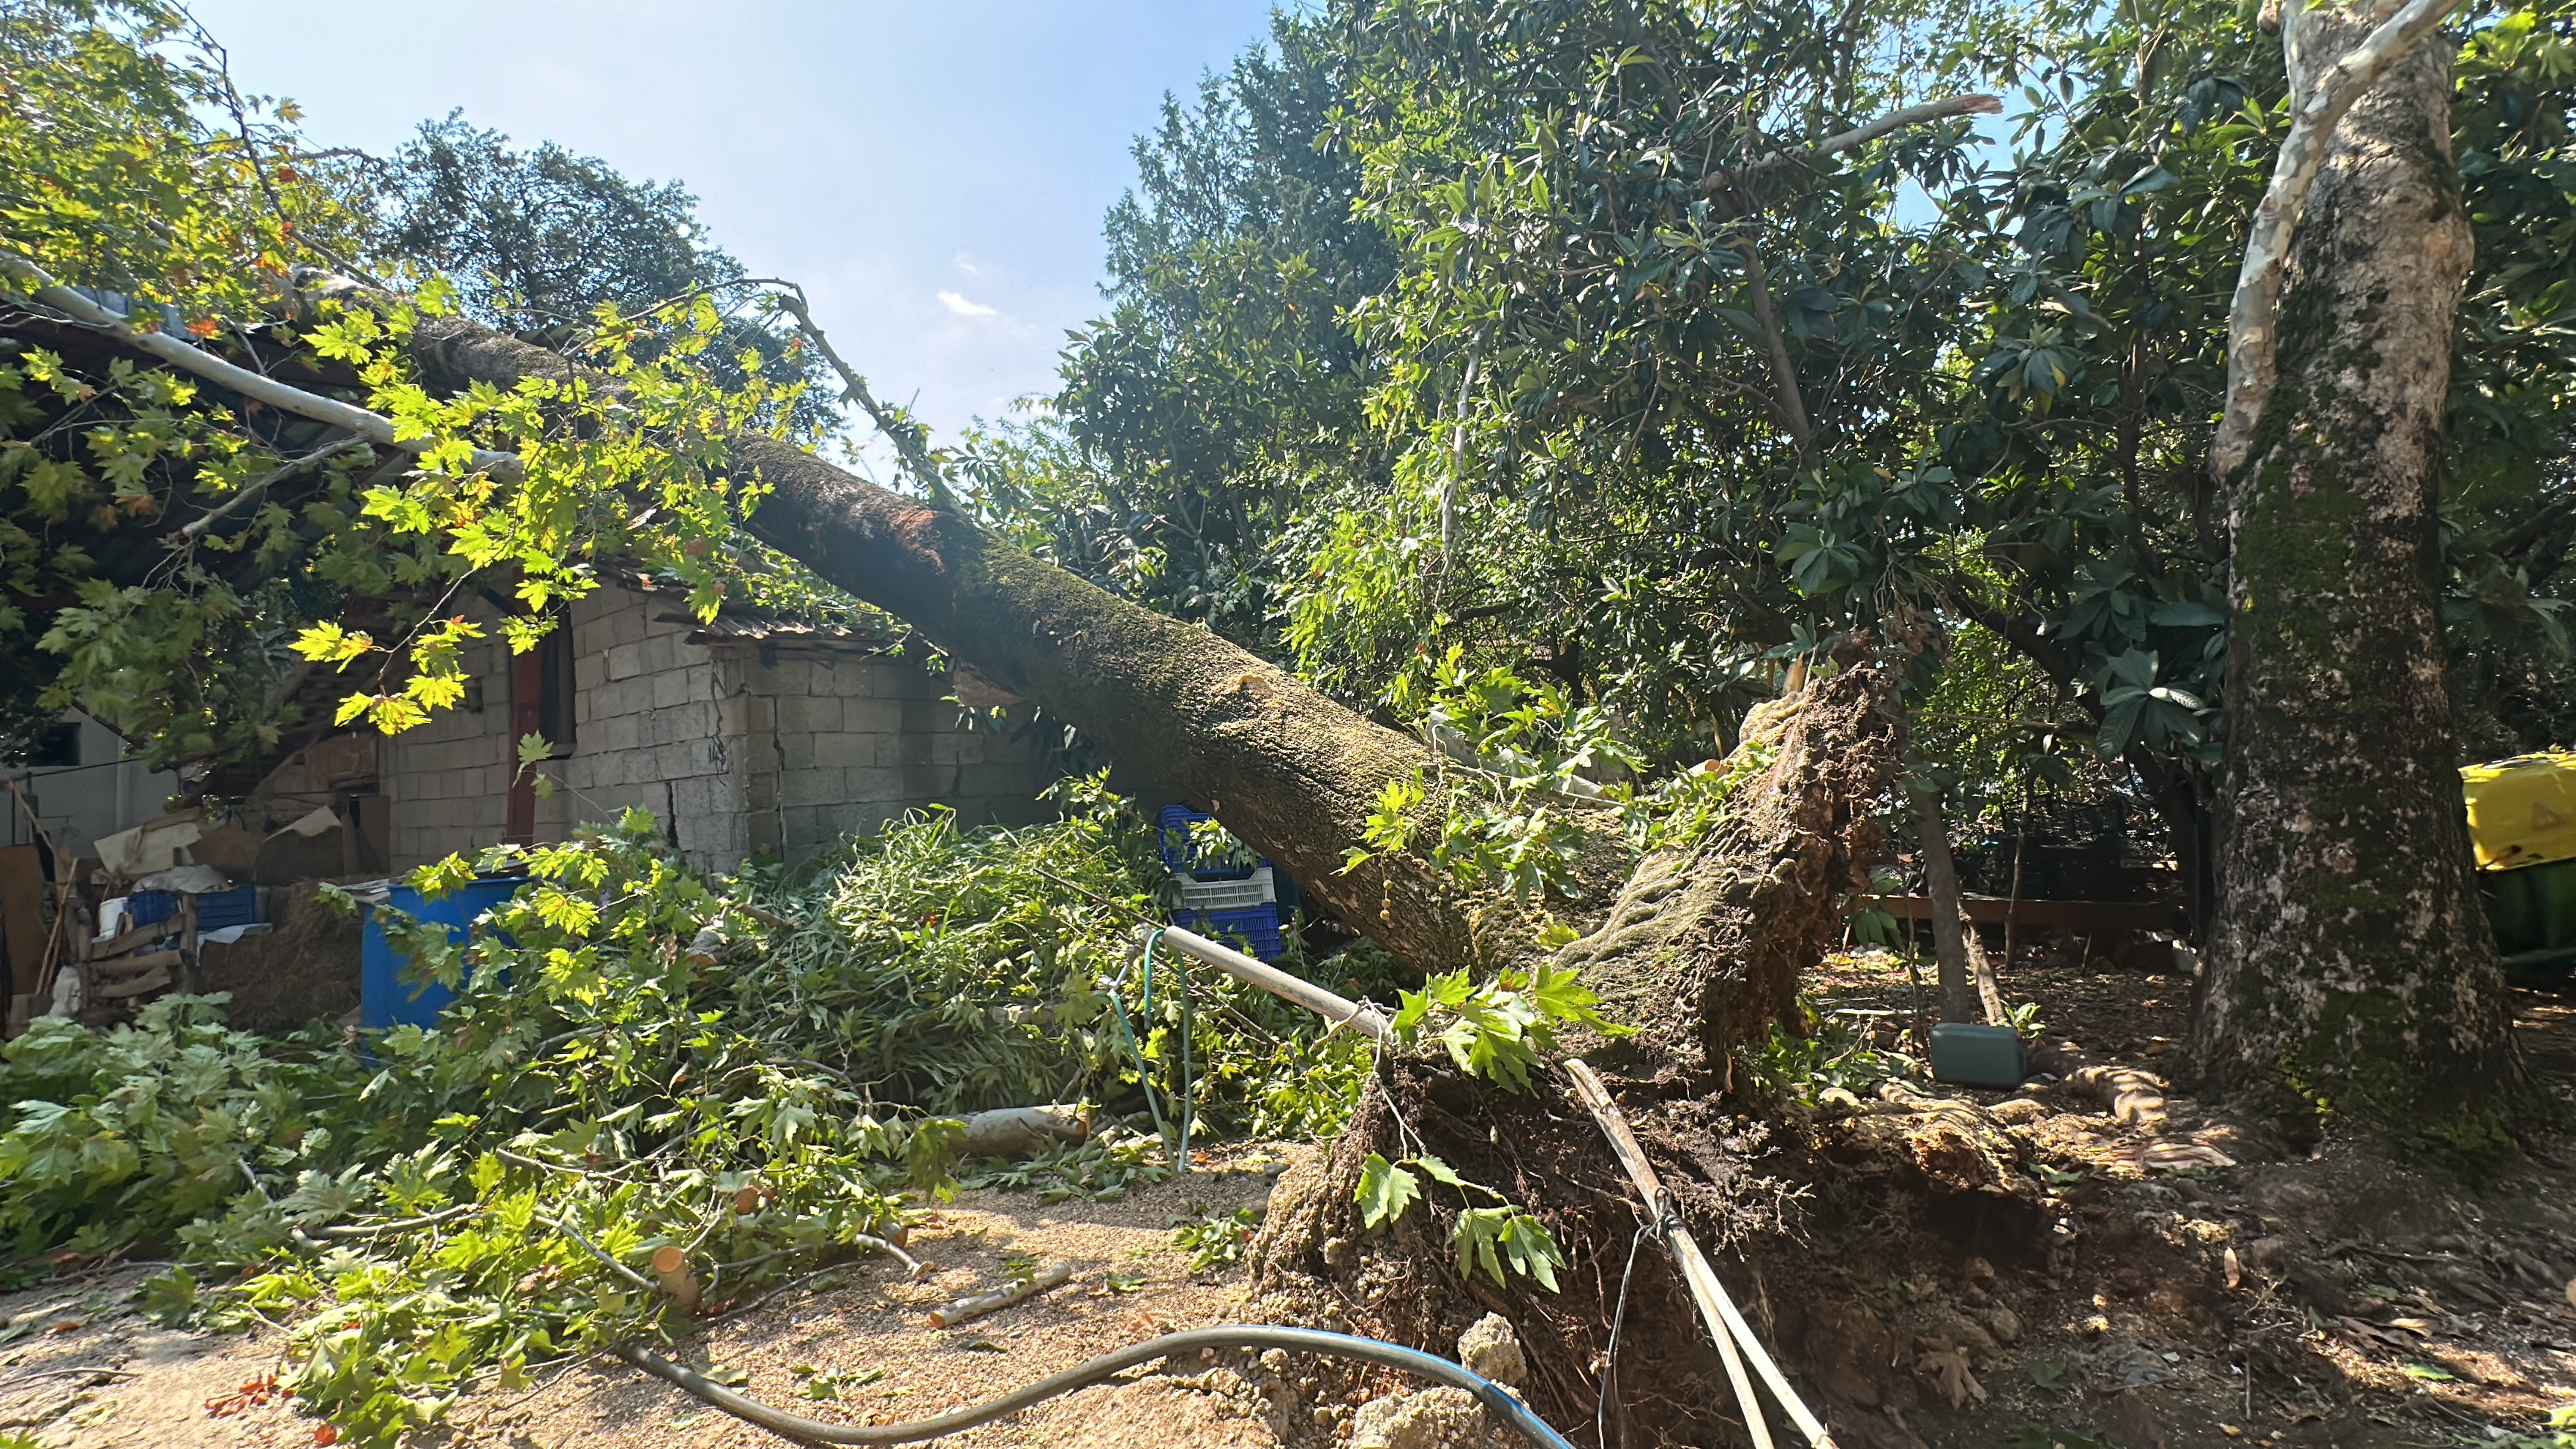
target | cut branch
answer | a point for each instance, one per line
(2253, 316)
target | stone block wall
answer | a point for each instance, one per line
(736, 745)
(841, 740)
(447, 782)
(651, 729)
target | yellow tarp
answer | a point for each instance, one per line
(2522, 811)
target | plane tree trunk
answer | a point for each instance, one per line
(1291, 772)
(2352, 972)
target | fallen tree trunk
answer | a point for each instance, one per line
(1291, 772)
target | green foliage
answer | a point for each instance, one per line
(115, 173)
(1825, 1054)
(636, 1057)
(1488, 1237)
(1497, 1028)
(1212, 1241)
(1386, 1191)
(141, 1130)
(2560, 1433)
(168, 549)
(1515, 760)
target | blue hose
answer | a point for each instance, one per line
(1498, 1401)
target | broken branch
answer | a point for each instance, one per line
(1859, 136)
(40, 286)
(901, 431)
(1784, 373)
(196, 528)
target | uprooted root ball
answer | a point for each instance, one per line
(1317, 1264)
(1807, 1218)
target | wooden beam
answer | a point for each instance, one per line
(2068, 915)
(153, 980)
(137, 965)
(132, 939)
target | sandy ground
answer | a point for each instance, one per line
(83, 1369)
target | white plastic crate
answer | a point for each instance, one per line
(1230, 895)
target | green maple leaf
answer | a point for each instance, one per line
(1385, 1191)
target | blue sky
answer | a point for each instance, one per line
(935, 174)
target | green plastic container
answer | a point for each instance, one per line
(2533, 910)
(1977, 1056)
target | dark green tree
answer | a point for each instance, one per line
(1224, 386)
(537, 240)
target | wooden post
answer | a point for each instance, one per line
(527, 717)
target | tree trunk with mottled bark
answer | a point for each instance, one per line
(2352, 973)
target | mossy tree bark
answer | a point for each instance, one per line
(1291, 772)
(1706, 944)
(2350, 962)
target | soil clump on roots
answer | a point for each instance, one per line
(2092, 1261)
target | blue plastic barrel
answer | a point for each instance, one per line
(384, 998)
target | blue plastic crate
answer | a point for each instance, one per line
(1172, 837)
(1254, 929)
(238, 906)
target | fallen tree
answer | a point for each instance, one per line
(1723, 926)
(1293, 773)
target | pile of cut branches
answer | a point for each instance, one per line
(742, 1075)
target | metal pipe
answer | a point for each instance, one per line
(1339, 1010)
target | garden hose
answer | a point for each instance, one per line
(1144, 1069)
(1498, 1401)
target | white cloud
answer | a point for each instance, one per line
(965, 308)
(968, 267)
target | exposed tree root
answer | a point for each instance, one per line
(1703, 949)
(1705, 946)
(1757, 1195)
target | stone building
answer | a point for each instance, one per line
(740, 736)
